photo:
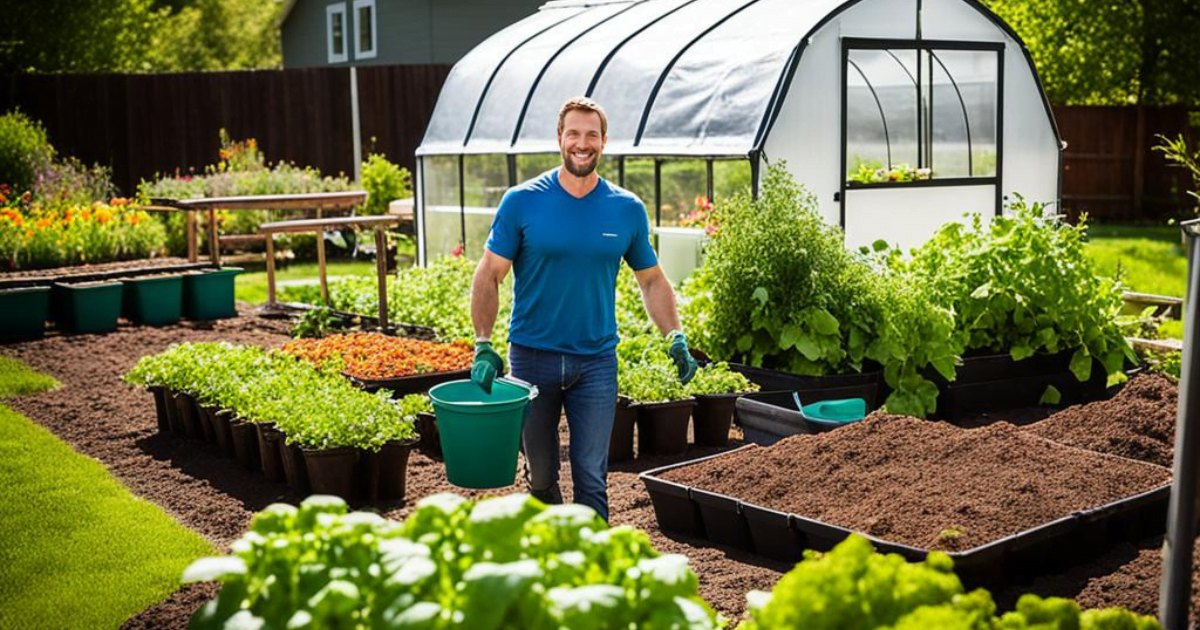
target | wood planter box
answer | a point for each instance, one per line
(24, 311)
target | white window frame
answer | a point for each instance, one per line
(330, 11)
(358, 52)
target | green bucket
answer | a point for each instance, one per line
(481, 433)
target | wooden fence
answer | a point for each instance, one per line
(1110, 169)
(143, 125)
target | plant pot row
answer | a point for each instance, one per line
(93, 307)
(729, 521)
(662, 428)
(351, 473)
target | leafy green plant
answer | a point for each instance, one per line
(384, 182)
(315, 323)
(717, 378)
(854, 588)
(873, 172)
(25, 150)
(1022, 285)
(1177, 152)
(506, 562)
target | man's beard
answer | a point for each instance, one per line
(585, 170)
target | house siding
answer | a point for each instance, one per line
(408, 31)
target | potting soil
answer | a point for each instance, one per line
(926, 484)
(1138, 422)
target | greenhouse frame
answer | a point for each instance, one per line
(898, 115)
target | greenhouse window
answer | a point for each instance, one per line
(921, 113)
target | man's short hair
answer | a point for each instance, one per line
(584, 104)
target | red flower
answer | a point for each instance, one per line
(458, 250)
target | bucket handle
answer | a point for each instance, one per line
(509, 378)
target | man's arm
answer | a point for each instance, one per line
(485, 292)
(659, 298)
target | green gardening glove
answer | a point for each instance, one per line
(678, 351)
(487, 366)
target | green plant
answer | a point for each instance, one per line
(25, 150)
(384, 182)
(506, 562)
(873, 172)
(854, 588)
(1023, 285)
(1177, 151)
(717, 378)
(315, 323)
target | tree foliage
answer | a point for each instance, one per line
(1111, 52)
(139, 35)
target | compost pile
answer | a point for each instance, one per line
(923, 483)
(1138, 423)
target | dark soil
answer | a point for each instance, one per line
(908, 481)
(104, 418)
(87, 270)
(1138, 422)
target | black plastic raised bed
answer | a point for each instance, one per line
(779, 535)
(767, 417)
(865, 385)
(996, 381)
(405, 385)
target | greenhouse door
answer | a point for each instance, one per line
(921, 136)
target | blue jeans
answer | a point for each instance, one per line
(587, 386)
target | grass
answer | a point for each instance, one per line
(80, 550)
(252, 286)
(1148, 259)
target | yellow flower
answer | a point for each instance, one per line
(103, 215)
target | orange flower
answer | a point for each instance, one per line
(103, 215)
(42, 224)
(85, 214)
(119, 201)
(133, 219)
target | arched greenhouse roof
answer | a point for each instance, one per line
(677, 77)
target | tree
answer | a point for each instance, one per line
(1111, 52)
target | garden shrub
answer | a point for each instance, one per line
(25, 151)
(384, 182)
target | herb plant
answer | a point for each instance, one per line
(499, 564)
(717, 378)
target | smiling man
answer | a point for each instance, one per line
(564, 235)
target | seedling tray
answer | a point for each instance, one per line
(405, 385)
(779, 535)
(992, 382)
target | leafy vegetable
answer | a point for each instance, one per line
(717, 378)
(502, 563)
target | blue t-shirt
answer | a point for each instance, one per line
(566, 253)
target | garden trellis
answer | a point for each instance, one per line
(702, 94)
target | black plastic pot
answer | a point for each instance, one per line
(989, 382)
(269, 439)
(161, 405)
(430, 440)
(189, 419)
(866, 385)
(174, 418)
(662, 427)
(204, 415)
(331, 471)
(405, 385)
(294, 468)
(245, 443)
(384, 474)
(712, 418)
(620, 445)
(220, 421)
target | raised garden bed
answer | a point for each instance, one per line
(153, 300)
(767, 417)
(996, 381)
(374, 361)
(1002, 502)
(91, 307)
(23, 312)
(210, 294)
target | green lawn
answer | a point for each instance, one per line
(252, 286)
(79, 550)
(1149, 259)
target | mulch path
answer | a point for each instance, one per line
(87, 270)
(104, 418)
(909, 481)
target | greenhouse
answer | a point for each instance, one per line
(898, 115)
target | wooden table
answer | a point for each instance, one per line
(345, 200)
(378, 223)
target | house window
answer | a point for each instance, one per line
(916, 112)
(364, 29)
(335, 32)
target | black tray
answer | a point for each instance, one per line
(1048, 547)
(405, 385)
(865, 385)
(724, 522)
(993, 382)
(767, 417)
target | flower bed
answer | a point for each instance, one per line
(373, 356)
(101, 232)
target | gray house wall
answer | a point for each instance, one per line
(408, 31)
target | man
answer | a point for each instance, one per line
(564, 234)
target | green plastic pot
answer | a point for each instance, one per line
(88, 307)
(154, 301)
(209, 295)
(481, 433)
(23, 312)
